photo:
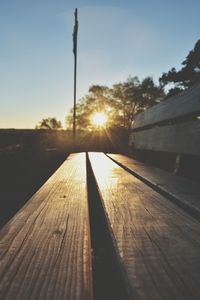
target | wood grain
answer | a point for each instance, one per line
(157, 244)
(183, 138)
(45, 248)
(184, 190)
(184, 104)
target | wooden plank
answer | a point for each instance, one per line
(184, 104)
(183, 138)
(183, 190)
(45, 249)
(157, 244)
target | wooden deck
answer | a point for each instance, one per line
(183, 191)
(156, 242)
(45, 250)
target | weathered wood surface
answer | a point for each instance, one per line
(45, 249)
(186, 103)
(183, 138)
(156, 242)
(182, 189)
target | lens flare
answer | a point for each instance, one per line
(99, 119)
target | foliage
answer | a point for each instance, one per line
(187, 76)
(49, 123)
(120, 102)
(93, 102)
(133, 96)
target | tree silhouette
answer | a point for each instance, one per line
(133, 96)
(94, 101)
(120, 103)
(49, 123)
(187, 76)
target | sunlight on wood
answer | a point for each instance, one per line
(104, 170)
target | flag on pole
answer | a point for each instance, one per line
(75, 32)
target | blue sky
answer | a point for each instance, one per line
(116, 39)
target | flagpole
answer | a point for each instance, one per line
(75, 33)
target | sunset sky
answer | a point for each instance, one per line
(116, 39)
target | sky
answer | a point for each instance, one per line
(116, 39)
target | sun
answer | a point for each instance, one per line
(99, 119)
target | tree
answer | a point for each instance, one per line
(49, 123)
(95, 101)
(150, 93)
(120, 103)
(125, 101)
(133, 96)
(187, 76)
